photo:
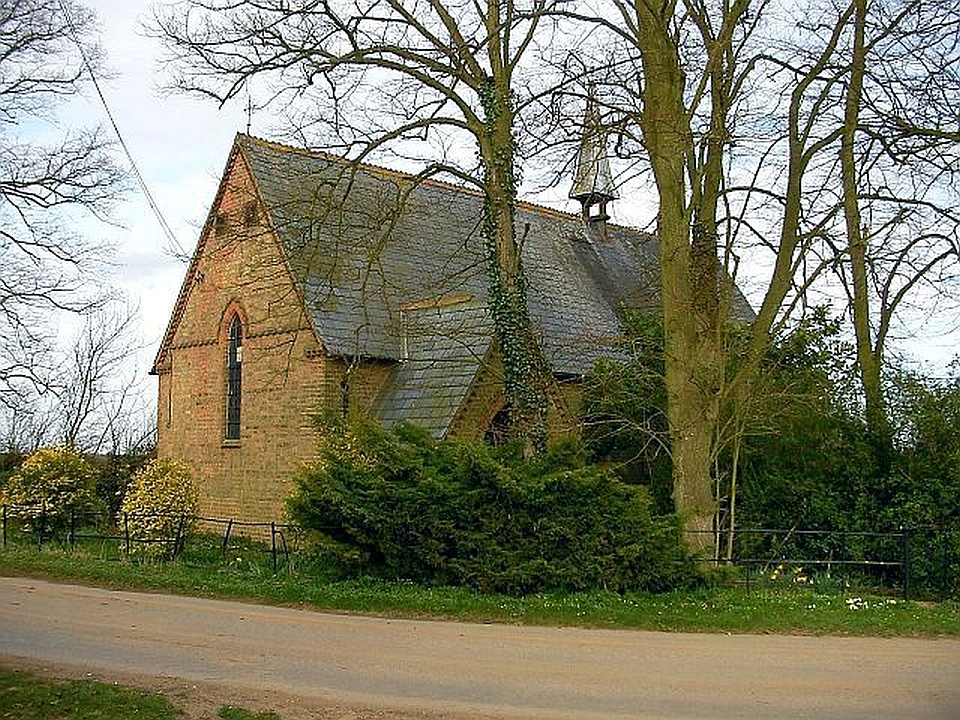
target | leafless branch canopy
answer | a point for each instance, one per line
(362, 78)
(48, 180)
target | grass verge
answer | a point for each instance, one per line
(27, 697)
(715, 610)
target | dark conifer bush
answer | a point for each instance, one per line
(400, 504)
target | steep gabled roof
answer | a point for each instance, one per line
(190, 276)
(363, 241)
(392, 268)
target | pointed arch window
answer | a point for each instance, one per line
(234, 377)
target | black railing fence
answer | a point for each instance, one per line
(40, 528)
(274, 535)
(916, 561)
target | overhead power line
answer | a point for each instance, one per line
(173, 245)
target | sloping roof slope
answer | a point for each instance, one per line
(364, 241)
(393, 268)
(445, 350)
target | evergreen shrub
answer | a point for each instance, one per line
(10, 461)
(400, 504)
(160, 507)
(48, 487)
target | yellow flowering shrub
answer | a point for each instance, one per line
(52, 482)
(160, 504)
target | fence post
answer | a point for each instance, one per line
(226, 538)
(905, 535)
(174, 551)
(944, 565)
(285, 549)
(126, 532)
(273, 544)
(4, 527)
(73, 527)
(43, 526)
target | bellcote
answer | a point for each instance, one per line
(592, 179)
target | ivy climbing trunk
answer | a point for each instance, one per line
(524, 366)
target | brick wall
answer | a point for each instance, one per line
(485, 399)
(240, 269)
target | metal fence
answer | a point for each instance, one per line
(922, 561)
(44, 528)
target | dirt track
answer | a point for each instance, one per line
(312, 665)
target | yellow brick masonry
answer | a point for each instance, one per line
(240, 268)
(486, 398)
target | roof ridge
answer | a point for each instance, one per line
(399, 174)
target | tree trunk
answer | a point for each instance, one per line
(734, 474)
(525, 369)
(685, 269)
(869, 357)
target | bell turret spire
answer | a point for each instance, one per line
(592, 179)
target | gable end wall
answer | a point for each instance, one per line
(240, 268)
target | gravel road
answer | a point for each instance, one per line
(316, 665)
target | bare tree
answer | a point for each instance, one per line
(97, 404)
(89, 397)
(430, 80)
(740, 108)
(682, 113)
(45, 53)
(899, 152)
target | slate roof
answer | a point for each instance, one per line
(446, 348)
(364, 241)
(370, 247)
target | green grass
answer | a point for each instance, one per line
(27, 697)
(248, 576)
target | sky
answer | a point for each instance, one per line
(180, 145)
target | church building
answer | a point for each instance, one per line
(320, 283)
